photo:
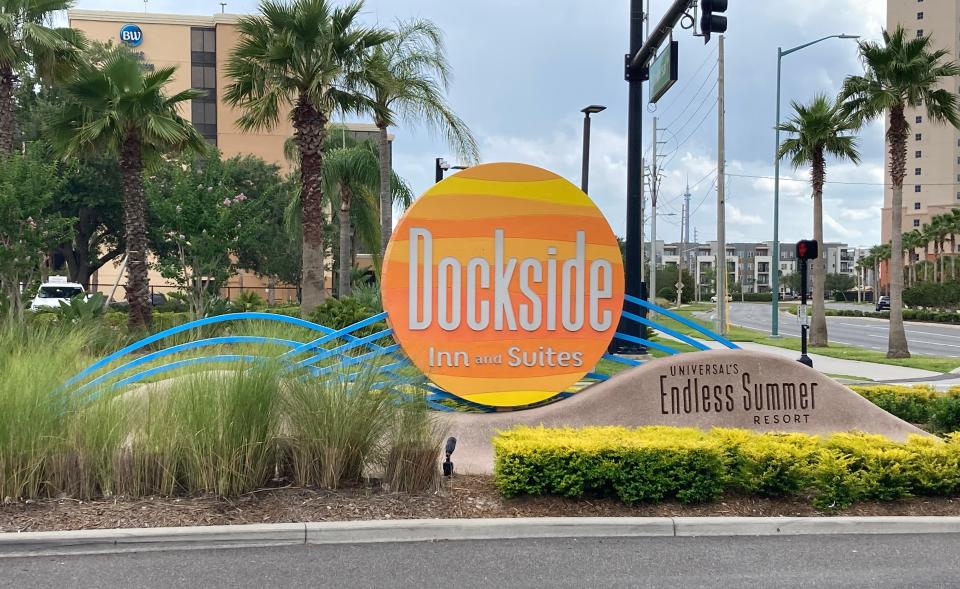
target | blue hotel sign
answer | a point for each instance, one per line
(131, 35)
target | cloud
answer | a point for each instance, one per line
(738, 217)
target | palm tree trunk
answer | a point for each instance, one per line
(310, 125)
(346, 239)
(897, 134)
(386, 195)
(135, 232)
(818, 326)
(7, 81)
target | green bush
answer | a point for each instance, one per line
(248, 301)
(912, 404)
(945, 412)
(656, 463)
(340, 313)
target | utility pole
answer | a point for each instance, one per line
(686, 221)
(696, 265)
(721, 185)
(684, 238)
(653, 216)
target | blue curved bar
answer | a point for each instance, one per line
(682, 320)
(188, 362)
(193, 324)
(676, 334)
(200, 343)
(334, 334)
(646, 342)
(345, 347)
(622, 360)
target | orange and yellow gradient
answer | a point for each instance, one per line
(501, 347)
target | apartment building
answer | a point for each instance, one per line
(932, 183)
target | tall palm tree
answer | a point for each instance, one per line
(902, 72)
(117, 107)
(302, 56)
(408, 78)
(818, 129)
(25, 39)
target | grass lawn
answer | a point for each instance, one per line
(742, 334)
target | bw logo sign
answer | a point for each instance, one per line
(131, 35)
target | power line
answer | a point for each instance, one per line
(885, 184)
(706, 193)
(694, 97)
(691, 134)
(691, 78)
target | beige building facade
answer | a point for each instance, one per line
(931, 186)
(199, 47)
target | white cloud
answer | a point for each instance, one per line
(738, 217)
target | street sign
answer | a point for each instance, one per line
(664, 71)
(802, 314)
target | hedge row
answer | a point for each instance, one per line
(940, 412)
(656, 463)
(931, 315)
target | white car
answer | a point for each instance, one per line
(713, 299)
(57, 290)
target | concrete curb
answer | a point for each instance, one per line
(431, 530)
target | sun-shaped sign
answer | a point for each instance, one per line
(503, 284)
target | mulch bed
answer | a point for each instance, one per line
(459, 497)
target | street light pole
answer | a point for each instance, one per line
(585, 169)
(775, 257)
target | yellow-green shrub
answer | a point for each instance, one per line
(649, 464)
(689, 465)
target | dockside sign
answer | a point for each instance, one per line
(504, 284)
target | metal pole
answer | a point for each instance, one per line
(653, 216)
(643, 206)
(802, 315)
(116, 283)
(585, 169)
(438, 171)
(775, 273)
(721, 182)
(634, 281)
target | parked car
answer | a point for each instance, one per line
(55, 291)
(713, 299)
(883, 303)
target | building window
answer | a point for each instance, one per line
(958, 196)
(919, 16)
(919, 33)
(918, 137)
(916, 171)
(919, 119)
(918, 153)
(916, 222)
(203, 77)
(916, 206)
(916, 188)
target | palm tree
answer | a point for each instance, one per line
(408, 77)
(903, 71)
(119, 108)
(819, 129)
(351, 169)
(912, 241)
(355, 172)
(303, 56)
(25, 39)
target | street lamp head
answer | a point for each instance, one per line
(593, 109)
(846, 36)
(443, 164)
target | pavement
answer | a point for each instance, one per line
(930, 339)
(571, 559)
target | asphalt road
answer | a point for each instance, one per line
(926, 560)
(924, 338)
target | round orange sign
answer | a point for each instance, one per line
(503, 284)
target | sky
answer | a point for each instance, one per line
(523, 69)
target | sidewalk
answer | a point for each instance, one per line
(828, 365)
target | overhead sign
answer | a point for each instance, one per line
(131, 35)
(503, 284)
(664, 71)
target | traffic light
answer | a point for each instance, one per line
(710, 21)
(807, 250)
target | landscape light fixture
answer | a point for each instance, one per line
(585, 169)
(448, 450)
